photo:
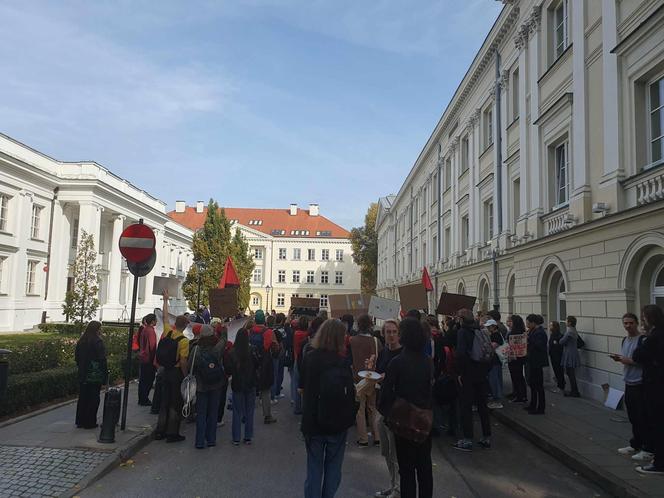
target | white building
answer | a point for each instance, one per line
(550, 157)
(297, 252)
(44, 206)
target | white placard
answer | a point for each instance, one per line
(613, 398)
(383, 308)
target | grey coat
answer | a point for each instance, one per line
(571, 357)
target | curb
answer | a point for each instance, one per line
(576, 462)
(35, 413)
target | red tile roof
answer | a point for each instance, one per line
(272, 220)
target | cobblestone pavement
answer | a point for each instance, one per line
(30, 471)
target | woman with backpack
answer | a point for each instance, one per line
(92, 374)
(300, 335)
(205, 360)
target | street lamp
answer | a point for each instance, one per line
(494, 267)
(200, 267)
(268, 288)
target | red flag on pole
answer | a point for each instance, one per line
(426, 281)
(229, 278)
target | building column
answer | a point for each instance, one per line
(58, 268)
(115, 264)
(89, 220)
(19, 260)
(455, 225)
(534, 185)
(524, 199)
(504, 99)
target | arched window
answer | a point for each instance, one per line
(483, 296)
(657, 287)
(510, 294)
(556, 293)
(461, 289)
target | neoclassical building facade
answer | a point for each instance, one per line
(45, 205)
(541, 189)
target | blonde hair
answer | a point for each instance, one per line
(331, 336)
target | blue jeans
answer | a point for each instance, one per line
(278, 367)
(295, 396)
(325, 456)
(207, 410)
(243, 408)
(496, 382)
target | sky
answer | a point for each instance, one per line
(255, 103)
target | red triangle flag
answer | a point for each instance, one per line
(426, 281)
(229, 278)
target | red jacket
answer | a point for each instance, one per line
(147, 344)
(268, 335)
(298, 339)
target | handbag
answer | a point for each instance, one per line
(94, 375)
(410, 422)
(580, 343)
(188, 388)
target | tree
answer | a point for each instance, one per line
(244, 266)
(365, 249)
(81, 302)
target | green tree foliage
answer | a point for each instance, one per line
(365, 249)
(81, 303)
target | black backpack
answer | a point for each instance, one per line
(209, 368)
(167, 351)
(336, 408)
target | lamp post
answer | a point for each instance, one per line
(494, 266)
(200, 267)
(268, 306)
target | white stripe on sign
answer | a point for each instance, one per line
(137, 243)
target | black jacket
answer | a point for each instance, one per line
(244, 377)
(87, 351)
(464, 365)
(650, 355)
(555, 349)
(408, 376)
(537, 353)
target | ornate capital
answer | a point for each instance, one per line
(535, 20)
(454, 144)
(505, 79)
(521, 38)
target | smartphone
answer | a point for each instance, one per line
(614, 357)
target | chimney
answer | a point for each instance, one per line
(293, 209)
(180, 206)
(199, 206)
(313, 210)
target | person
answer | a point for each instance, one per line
(300, 335)
(408, 376)
(206, 315)
(472, 370)
(242, 365)
(571, 359)
(537, 360)
(363, 347)
(556, 354)
(328, 392)
(147, 340)
(264, 343)
(278, 362)
(392, 349)
(413, 313)
(516, 362)
(634, 399)
(496, 369)
(349, 320)
(172, 354)
(90, 356)
(221, 332)
(206, 360)
(650, 355)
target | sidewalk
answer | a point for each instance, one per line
(584, 435)
(46, 455)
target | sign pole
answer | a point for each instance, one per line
(127, 372)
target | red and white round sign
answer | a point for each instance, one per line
(137, 243)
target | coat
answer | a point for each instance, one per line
(571, 357)
(209, 344)
(537, 351)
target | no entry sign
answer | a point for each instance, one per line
(137, 243)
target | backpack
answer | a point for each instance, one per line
(280, 334)
(336, 408)
(167, 351)
(209, 368)
(256, 340)
(482, 350)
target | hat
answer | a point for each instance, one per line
(259, 317)
(206, 331)
(488, 323)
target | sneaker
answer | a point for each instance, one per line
(650, 469)
(485, 443)
(494, 405)
(281, 396)
(643, 456)
(221, 424)
(463, 445)
(247, 442)
(274, 401)
(381, 494)
(627, 450)
(236, 443)
(376, 443)
(363, 445)
(269, 420)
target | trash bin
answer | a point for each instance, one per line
(112, 402)
(4, 371)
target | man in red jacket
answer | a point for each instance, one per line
(147, 342)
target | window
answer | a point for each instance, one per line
(448, 242)
(657, 287)
(4, 203)
(294, 295)
(488, 220)
(296, 276)
(557, 302)
(309, 296)
(516, 202)
(255, 301)
(448, 173)
(257, 276)
(339, 278)
(36, 221)
(560, 28)
(465, 154)
(464, 233)
(323, 300)
(324, 277)
(281, 276)
(311, 254)
(434, 248)
(325, 254)
(340, 255)
(310, 276)
(297, 254)
(281, 300)
(656, 111)
(562, 170)
(424, 253)
(74, 234)
(488, 128)
(282, 253)
(435, 193)
(515, 94)
(258, 253)
(2, 274)
(31, 278)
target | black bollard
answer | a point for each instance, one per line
(112, 404)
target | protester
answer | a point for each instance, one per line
(571, 359)
(300, 335)
(278, 361)
(349, 320)
(473, 360)
(242, 365)
(650, 355)
(147, 340)
(496, 369)
(205, 360)
(363, 347)
(265, 344)
(408, 379)
(221, 332)
(329, 409)
(392, 349)
(537, 360)
(445, 389)
(556, 354)
(172, 354)
(90, 358)
(516, 363)
(635, 403)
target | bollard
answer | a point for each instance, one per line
(4, 372)
(111, 416)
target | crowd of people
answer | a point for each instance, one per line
(400, 386)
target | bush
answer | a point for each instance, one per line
(61, 328)
(34, 352)
(31, 389)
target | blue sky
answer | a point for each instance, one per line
(256, 103)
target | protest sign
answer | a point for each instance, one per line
(348, 304)
(223, 302)
(518, 346)
(413, 297)
(159, 284)
(383, 308)
(450, 303)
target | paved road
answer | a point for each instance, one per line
(274, 466)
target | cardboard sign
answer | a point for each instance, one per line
(449, 303)
(518, 346)
(383, 308)
(305, 302)
(348, 304)
(223, 302)
(413, 297)
(159, 284)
